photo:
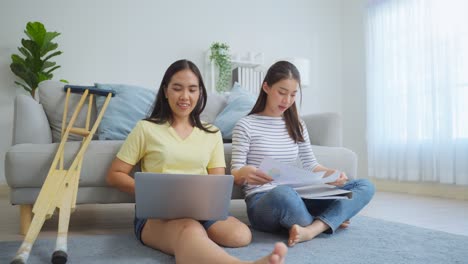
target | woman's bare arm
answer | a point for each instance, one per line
(118, 176)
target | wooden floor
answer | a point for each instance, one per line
(433, 213)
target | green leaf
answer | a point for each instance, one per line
(47, 64)
(48, 47)
(25, 52)
(36, 32)
(49, 36)
(53, 69)
(17, 59)
(31, 46)
(24, 73)
(52, 55)
(19, 70)
(35, 64)
(43, 77)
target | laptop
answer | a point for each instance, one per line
(172, 196)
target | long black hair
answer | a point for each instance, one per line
(279, 71)
(162, 112)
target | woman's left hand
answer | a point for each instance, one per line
(340, 181)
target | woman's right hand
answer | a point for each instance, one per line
(252, 175)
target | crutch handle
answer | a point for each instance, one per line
(91, 89)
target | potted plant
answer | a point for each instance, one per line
(35, 65)
(221, 58)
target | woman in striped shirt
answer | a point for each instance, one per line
(273, 129)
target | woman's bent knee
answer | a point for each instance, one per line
(283, 194)
(365, 188)
(240, 237)
(230, 233)
(368, 186)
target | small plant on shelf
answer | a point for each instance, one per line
(222, 59)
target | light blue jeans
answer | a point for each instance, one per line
(281, 207)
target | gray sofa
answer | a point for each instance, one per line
(28, 160)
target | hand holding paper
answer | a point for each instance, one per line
(308, 184)
(340, 180)
(292, 175)
(332, 177)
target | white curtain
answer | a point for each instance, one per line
(417, 90)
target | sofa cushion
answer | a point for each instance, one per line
(85, 195)
(214, 105)
(52, 97)
(129, 105)
(239, 104)
(27, 165)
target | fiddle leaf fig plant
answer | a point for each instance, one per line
(33, 65)
(221, 58)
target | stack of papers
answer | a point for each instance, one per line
(308, 184)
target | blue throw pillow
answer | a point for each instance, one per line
(239, 104)
(129, 105)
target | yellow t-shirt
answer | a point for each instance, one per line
(161, 150)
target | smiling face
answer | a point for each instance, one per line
(281, 95)
(183, 93)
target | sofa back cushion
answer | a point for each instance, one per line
(214, 105)
(52, 97)
(239, 104)
(129, 105)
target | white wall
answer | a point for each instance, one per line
(134, 41)
(354, 81)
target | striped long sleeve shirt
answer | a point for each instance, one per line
(255, 137)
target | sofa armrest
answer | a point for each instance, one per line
(325, 129)
(30, 124)
(339, 158)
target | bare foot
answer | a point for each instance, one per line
(345, 224)
(297, 234)
(277, 256)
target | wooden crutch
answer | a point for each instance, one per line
(60, 187)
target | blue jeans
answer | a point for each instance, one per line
(281, 207)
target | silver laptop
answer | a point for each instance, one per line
(172, 196)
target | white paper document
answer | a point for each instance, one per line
(323, 191)
(308, 184)
(292, 175)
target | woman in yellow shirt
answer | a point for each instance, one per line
(174, 140)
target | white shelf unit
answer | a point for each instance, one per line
(249, 67)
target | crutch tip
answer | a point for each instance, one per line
(17, 261)
(59, 257)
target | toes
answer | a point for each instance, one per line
(281, 249)
(274, 259)
(292, 242)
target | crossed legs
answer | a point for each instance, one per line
(282, 208)
(189, 242)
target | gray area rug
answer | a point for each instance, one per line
(367, 240)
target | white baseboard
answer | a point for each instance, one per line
(450, 191)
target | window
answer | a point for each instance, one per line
(417, 83)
